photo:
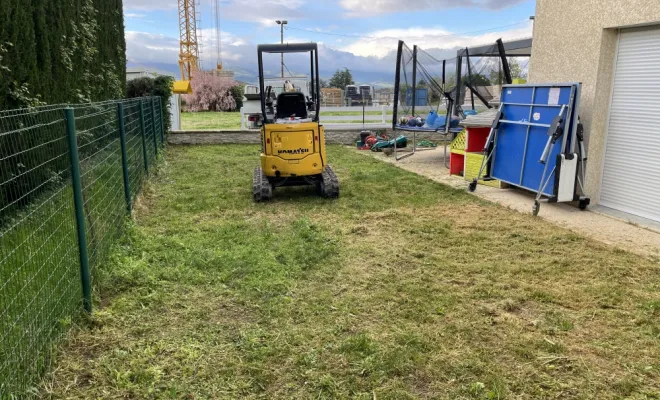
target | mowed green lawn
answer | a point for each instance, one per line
(192, 121)
(232, 120)
(401, 289)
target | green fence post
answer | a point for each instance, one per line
(144, 138)
(153, 125)
(78, 203)
(124, 155)
(162, 121)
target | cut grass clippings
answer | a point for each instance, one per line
(402, 288)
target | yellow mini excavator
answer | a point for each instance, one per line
(292, 139)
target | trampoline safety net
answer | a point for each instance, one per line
(450, 85)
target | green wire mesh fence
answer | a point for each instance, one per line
(68, 177)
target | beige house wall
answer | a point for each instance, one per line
(575, 41)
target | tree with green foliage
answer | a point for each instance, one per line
(477, 80)
(237, 92)
(341, 79)
(517, 72)
(160, 86)
(56, 51)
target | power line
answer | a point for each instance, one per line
(526, 64)
(287, 70)
(433, 58)
(395, 38)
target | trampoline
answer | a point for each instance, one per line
(446, 82)
(445, 135)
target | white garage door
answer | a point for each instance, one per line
(631, 172)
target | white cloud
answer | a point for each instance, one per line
(134, 15)
(142, 47)
(357, 8)
(370, 59)
(241, 10)
(229, 42)
(149, 4)
(264, 12)
(381, 43)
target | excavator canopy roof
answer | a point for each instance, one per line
(287, 48)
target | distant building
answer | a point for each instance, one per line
(224, 73)
(141, 72)
(384, 96)
(331, 97)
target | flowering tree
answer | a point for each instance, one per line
(211, 93)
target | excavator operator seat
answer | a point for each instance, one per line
(291, 104)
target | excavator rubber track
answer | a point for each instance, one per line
(329, 184)
(261, 188)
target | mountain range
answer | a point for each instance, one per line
(375, 79)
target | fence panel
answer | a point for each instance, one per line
(135, 151)
(40, 276)
(149, 129)
(39, 282)
(99, 149)
(160, 121)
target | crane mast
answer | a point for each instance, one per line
(189, 47)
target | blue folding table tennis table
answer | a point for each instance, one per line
(533, 141)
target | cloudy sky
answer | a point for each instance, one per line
(359, 34)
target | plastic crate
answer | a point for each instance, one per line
(456, 163)
(458, 144)
(471, 170)
(475, 139)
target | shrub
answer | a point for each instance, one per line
(140, 87)
(211, 93)
(237, 92)
(159, 86)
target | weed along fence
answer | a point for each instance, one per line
(68, 178)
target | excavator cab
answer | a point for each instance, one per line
(293, 149)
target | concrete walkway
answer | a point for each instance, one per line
(626, 233)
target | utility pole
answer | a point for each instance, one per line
(281, 24)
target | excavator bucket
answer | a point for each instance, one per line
(182, 87)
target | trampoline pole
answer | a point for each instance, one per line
(469, 66)
(444, 65)
(457, 89)
(414, 79)
(445, 154)
(363, 113)
(395, 102)
(505, 62)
